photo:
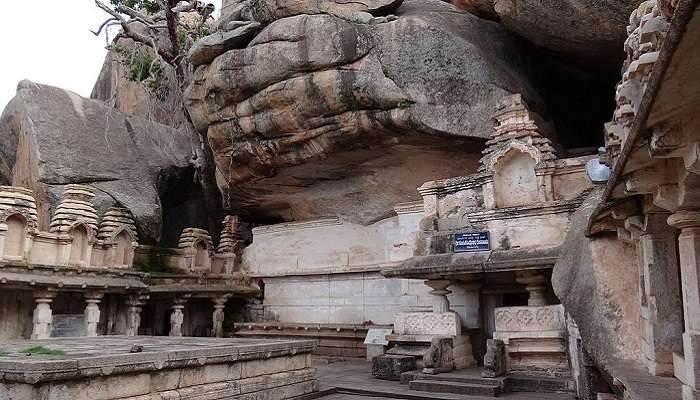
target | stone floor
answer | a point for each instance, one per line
(351, 379)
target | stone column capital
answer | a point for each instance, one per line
(92, 296)
(685, 219)
(44, 296)
(438, 284)
(220, 301)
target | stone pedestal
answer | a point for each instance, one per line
(662, 319)
(218, 316)
(133, 321)
(42, 318)
(689, 251)
(441, 303)
(177, 316)
(536, 285)
(92, 312)
(534, 338)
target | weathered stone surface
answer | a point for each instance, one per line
(564, 27)
(266, 11)
(482, 8)
(390, 367)
(315, 99)
(495, 359)
(53, 137)
(134, 97)
(212, 46)
(598, 286)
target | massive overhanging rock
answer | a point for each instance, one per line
(52, 137)
(589, 32)
(321, 116)
(598, 286)
(266, 11)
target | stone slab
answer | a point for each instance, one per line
(110, 355)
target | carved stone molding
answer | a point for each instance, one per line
(530, 319)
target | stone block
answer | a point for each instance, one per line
(390, 367)
(428, 323)
(272, 365)
(165, 380)
(209, 374)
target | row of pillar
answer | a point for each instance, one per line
(535, 282)
(43, 317)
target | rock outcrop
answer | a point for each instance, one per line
(598, 286)
(317, 103)
(52, 138)
(135, 97)
(565, 26)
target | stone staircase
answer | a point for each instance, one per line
(469, 382)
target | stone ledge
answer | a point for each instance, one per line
(438, 266)
(110, 355)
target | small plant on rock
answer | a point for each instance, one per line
(41, 350)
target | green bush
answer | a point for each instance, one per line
(142, 67)
(42, 350)
(150, 6)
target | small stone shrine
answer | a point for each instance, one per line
(476, 234)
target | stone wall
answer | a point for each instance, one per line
(103, 369)
(16, 308)
(355, 298)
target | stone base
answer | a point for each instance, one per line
(194, 368)
(390, 367)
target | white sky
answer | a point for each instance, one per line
(49, 41)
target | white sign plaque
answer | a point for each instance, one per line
(377, 336)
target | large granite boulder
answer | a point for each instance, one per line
(319, 115)
(598, 285)
(52, 137)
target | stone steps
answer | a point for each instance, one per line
(521, 383)
(444, 386)
(407, 377)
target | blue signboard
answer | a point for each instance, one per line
(470, 242)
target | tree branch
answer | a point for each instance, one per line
(128, 31)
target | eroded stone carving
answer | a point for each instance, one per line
(647, 29)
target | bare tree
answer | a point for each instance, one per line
(159, 26)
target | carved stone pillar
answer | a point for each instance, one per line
(662, 319)
(133, 321)
(177, 316)
(536, 285)
(441, 303)
(92, 312)
(41, 321)
(218, 316)
(689, 250)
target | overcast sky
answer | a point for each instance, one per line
(49, 41)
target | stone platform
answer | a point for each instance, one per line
(104, 368)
